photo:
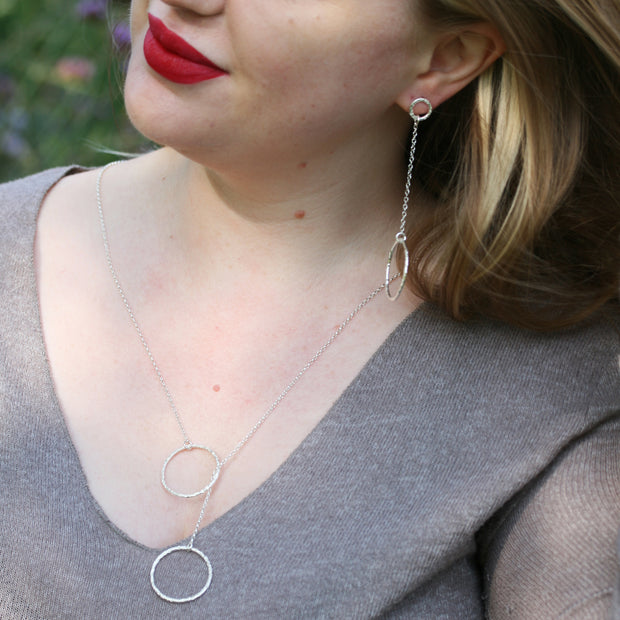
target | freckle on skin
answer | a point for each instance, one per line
(303, 164)
(299, 215)
(216, 388)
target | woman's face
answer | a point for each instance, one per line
(299, 75)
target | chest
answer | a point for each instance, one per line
(246, 384)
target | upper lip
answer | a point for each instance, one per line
(176, 44)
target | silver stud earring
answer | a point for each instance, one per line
(401, 238)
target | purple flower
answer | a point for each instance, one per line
(121, 35)
(91, 9)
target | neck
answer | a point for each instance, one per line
(332, 218)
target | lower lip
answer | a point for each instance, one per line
(174, 67)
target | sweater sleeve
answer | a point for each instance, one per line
(553, 551)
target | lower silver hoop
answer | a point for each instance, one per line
(187, 599)
(400, 242)
(188, 447)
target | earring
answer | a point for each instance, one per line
(401, 238)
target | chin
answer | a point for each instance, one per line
(154, 112)
(170, 118)
(151, 108)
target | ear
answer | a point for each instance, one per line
(458, 57)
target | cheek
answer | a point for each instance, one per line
(312, 85)
(340, 54)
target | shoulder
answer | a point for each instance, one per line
(536, 416)
(29, 189)
(499, 403)
(572, 372)
(551, 551)
(21, 199)
(20, 203)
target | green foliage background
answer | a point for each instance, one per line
(46, 119)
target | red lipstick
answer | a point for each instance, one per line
(174, 58)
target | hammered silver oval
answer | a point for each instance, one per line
(400, 241)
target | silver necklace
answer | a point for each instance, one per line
(188, 444)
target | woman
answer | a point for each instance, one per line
(190, 441)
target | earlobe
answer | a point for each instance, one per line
(458, 58)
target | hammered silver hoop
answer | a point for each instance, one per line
(186, 448)
(186, 599)
(414, 103)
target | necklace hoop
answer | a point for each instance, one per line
(188, 447)
(187, 549)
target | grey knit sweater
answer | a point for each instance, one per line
(468, 468)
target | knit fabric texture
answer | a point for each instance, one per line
(469, 469)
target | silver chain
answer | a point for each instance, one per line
(403, 217)
(162, 381)
(119, 288)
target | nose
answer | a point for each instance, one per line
(201, 7)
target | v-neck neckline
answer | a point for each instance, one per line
(315, 435)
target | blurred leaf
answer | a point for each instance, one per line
(6, 7)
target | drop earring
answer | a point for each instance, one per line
(401, 237)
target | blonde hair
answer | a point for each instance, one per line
(524, 166)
